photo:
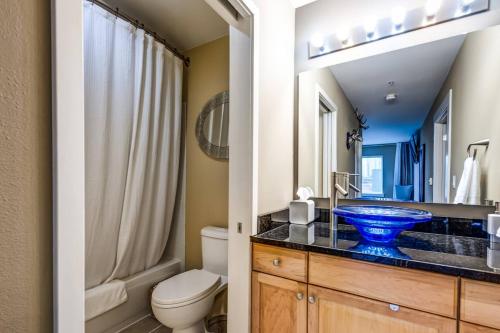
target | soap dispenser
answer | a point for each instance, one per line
(493, 249)
(494, 224)
(302, 210)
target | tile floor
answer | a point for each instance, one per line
(146, 325)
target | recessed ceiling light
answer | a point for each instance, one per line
(317, 40)
(391, 97)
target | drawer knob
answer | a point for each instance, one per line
(394, 307)
(311, 299)
(276, 262)
(300, 296)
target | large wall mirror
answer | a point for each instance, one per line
(420, 124)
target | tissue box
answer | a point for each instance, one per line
(301, 211)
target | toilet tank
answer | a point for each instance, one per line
(214, 249)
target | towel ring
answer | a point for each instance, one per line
(485, 143)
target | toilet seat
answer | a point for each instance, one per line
(185, 288)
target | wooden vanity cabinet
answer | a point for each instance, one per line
(296, 291)
(279, 305)
(332, 311)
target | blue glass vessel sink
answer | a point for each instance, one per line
(381, 224)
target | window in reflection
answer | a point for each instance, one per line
(372, 176)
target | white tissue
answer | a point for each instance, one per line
(304, 193)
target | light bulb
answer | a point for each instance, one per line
(432, 7)
(317, 40)
(343, 35)
(398, 16)
(465, 7)
(370, 26)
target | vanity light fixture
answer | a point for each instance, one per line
(317, 40)
(431, 8)
(398, 17)
(400, 20)
(370, 27)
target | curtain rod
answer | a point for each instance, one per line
(137, 24)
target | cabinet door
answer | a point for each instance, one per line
(278, 305)
(336, 312)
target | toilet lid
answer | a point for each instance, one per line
(184, 287)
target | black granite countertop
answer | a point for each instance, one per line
(462, 256)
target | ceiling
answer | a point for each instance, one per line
(418, 74)
(183, 23)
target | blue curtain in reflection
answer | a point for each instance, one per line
(403, 171)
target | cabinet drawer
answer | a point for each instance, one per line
(286, 263)
(434, 293)
(480, 303)
(470, 328)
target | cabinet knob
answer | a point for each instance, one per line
(394, 307)
(311, 299)
(276, 262)
(300, 296)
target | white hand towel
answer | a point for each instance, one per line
(474, 197)
(104, 297)
(465, 182)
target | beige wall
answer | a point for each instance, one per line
(276, 97)
(308, 114)
(475, 81)
(206, 178)
(25, 167)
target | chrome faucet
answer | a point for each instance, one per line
(340, 185)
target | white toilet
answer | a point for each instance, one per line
(182, 301)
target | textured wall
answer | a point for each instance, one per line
(25, 167)
(207, 179)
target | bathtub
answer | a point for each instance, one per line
(138, 304)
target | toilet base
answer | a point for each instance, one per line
(196, 328)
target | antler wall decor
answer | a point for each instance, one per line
(357, 133)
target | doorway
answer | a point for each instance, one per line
(326, 142)
(442, 151)
(69, 160)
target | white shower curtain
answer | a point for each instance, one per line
(132, 138)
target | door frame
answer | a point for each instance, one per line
(68, 131)
(444, 111)
(321, 96)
